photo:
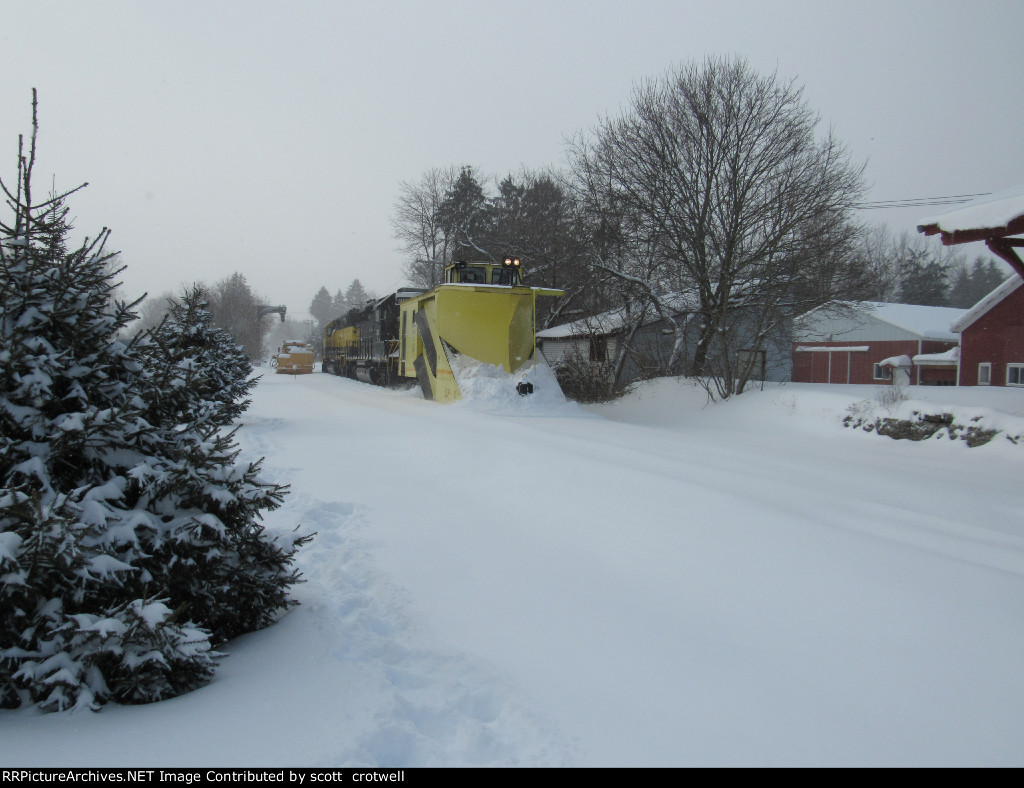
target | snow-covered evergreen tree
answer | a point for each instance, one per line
(130, 540)
(221, 372)
(213, 554)
(339, 306)
(356, 295)
(69, 636)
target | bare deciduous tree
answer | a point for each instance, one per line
(418, 226)
(718, 186)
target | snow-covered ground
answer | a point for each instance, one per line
(512, 581)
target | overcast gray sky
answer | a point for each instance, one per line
(270, 137)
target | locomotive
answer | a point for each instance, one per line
(481, 313)
(363, 344)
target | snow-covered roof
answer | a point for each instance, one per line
(992, 212)
(927, 322)
(987, 303)
(930, 322)
(605, 323)
(896, 361)
(946, 359)
(611, 321)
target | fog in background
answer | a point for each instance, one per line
(270, 137)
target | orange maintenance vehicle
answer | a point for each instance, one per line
(294, 358)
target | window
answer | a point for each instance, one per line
(1015, 374)
(504, 276)
(474, 275)
(598, 349)
(985, 374)
(883, 373)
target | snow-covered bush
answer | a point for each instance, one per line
(890, 397)
(130, 540)
(585, 381)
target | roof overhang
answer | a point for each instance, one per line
(992, 219)
(833, 348)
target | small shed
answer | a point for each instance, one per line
(873, 342)
(596, 340)
(592, 338)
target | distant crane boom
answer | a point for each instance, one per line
(262, 311)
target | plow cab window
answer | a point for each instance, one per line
(508, 274)
(505, 276)
(473, 275)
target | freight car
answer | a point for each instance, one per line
(482, 313)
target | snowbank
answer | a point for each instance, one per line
(489, 389)
(679, 402)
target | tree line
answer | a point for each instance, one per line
(232, 305)
(324, 308)
(453, 214)
(915, 270)
(712, 202)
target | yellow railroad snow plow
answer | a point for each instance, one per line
(481, 313)
(294, 358)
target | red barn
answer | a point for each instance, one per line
(870, 342)
(992, 338)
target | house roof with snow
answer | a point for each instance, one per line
(605, 323)
(985, 304)
(613, 320)
(947, 359)
(930, 322)
(896, 361)
(926, 322)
